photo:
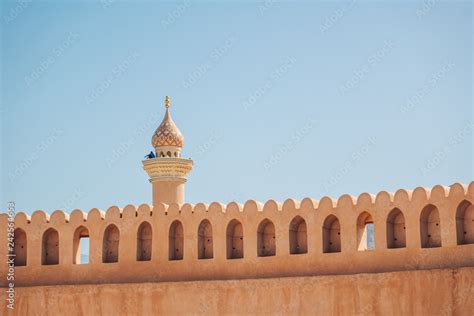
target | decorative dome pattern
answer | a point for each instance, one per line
(167, 134)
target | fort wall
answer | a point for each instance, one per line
(426, 292)
(413, 230)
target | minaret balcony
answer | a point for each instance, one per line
(167, 168)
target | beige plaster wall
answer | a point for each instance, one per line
(427, 292)
(168, 191)
(160, 269)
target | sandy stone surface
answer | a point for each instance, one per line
(427, 292)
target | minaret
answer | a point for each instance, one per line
(168, 171)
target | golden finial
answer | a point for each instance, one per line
(167, 102)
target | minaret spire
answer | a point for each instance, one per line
(168, 171)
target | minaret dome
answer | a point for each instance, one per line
(168, 139)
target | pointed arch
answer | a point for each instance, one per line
(144, 242)
(176, 241)
(80, 233)
(235, 240)
(110, 245)
(430, 227)
(396, 229)
(365, 232)
(20, 247)
(465, 223)
(205, 243)
(266, 245)
(331, 234)
(50, 247)
(298, 236)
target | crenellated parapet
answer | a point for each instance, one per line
(405, 230)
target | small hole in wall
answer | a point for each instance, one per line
(179, 212)
(338, 233)
(395, 239)
(437, 224)
(120, 215)
(166, 213)
(151, 213)
(429, 236)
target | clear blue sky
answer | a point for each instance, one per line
(275, 100)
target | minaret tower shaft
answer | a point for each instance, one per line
(168, 171)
